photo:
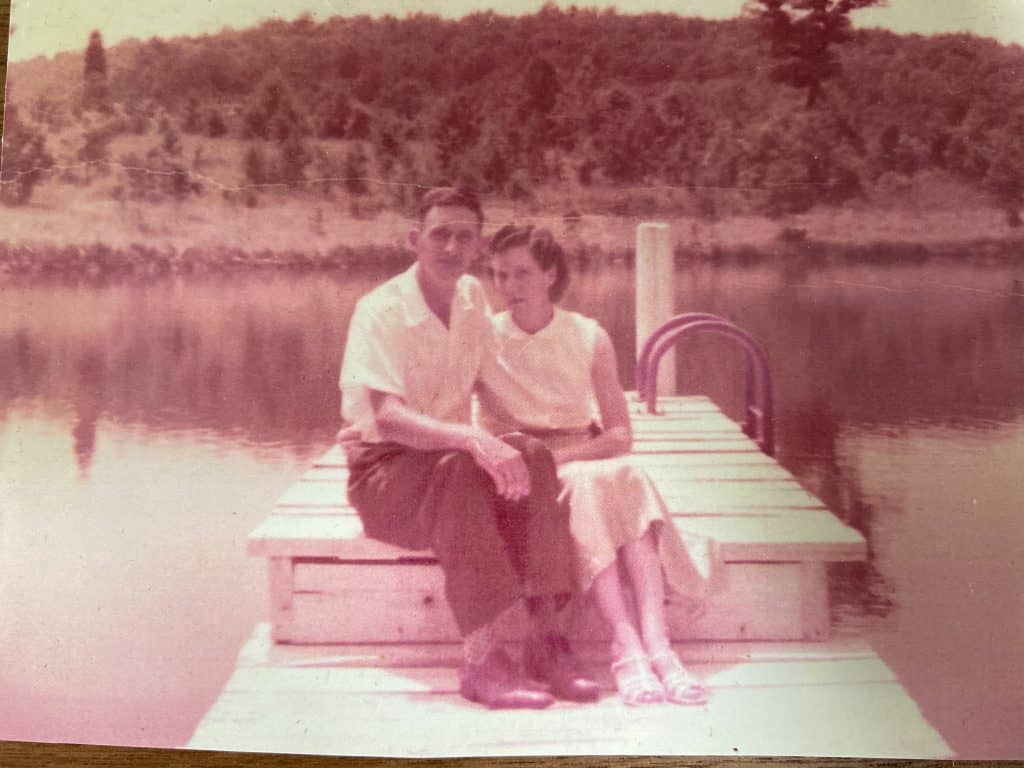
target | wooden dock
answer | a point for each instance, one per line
(360, 654)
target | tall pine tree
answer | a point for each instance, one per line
(96, 93)
(803, 35)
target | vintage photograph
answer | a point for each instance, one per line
(421, 379)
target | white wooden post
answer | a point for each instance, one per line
(655, 293)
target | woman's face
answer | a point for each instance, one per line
(520, 281)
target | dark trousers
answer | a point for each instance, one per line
(493, 552)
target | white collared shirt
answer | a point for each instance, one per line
(398, 346)
(541, 380)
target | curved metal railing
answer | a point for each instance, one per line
(759, 424)
(667, 327)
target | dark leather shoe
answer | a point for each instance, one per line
(496, 683)
(549, 658)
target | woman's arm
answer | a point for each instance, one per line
(617, 437)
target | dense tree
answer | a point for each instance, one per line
(193, 120)
(368, 86)
(94, 151)
(273, 113)
(541, 85)
(361, 124)
(96, 91)
(336, 116)
(50, 112)
(1005, 176)
(405, 98)
(25, 158)
(255, 166)
(516, 103)
(803, 35)
(215, 125)
(347, 65)
(141, 183)
(457, 130)
(388, 150)
(95, 56)
(170, 141)
(356, 170)
(293, 159)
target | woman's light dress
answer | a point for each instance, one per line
(542, 384)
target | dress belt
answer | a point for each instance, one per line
(592, 430)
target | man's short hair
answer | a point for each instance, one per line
(450, 197)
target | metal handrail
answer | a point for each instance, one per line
(666, 327)
(760, 417)
(677, 322)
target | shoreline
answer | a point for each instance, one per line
(99, 260)
(314, 235)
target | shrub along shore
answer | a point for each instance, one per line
(791, 251)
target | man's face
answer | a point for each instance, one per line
(446, 244)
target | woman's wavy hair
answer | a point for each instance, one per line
(542, 246)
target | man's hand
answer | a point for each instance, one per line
(503, 463)
(348, 436)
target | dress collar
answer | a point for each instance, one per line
(507, 326)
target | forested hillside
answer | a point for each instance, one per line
(560, 104)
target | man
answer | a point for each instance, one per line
(422, 476)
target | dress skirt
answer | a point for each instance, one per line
(614, 502)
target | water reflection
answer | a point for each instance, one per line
(257, 355)
(89, 396)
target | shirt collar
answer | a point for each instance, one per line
(415, 305)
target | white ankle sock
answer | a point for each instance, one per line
(479, 643)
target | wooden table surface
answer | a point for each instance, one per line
(31, 755)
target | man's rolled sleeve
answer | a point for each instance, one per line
(372, 362)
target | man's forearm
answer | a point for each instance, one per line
(504, 464)
(398, 423)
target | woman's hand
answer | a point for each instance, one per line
(503, 463)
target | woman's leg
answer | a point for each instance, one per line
(644, 568)
(632, 671)
(607, 591)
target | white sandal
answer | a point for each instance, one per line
(680, 685)
(639, 686)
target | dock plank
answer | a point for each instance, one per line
(441, 680)
(865, 719)
(795, 535)
(827, 707)
(260, 650)
(335, 458)
(685, 495)
(766, 473)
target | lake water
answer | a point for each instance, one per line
(147, 427)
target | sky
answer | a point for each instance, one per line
(44, 27)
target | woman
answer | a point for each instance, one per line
(556, 378)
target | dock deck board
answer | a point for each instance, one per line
(767, 699)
